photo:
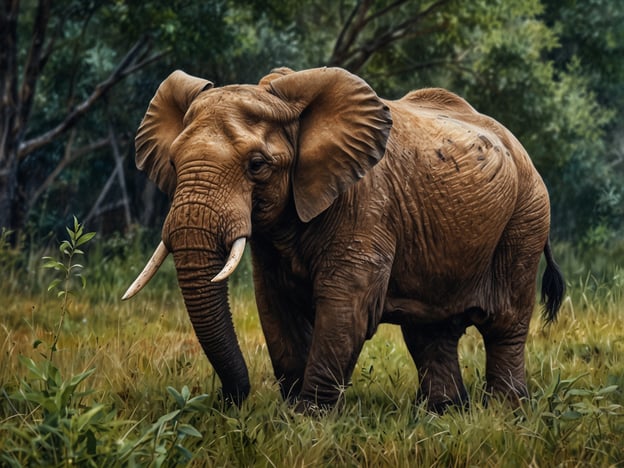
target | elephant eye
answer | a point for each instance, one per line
(258, 165)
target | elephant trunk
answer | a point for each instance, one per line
(199, 256)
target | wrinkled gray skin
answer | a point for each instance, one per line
(419, 212)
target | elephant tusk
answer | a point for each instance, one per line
(233, 260)
(148, 272)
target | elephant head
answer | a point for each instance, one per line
(239, 158)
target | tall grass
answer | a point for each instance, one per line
(155, 391)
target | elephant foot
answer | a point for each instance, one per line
(234, 396)
(511, 391)
(440, 403)
(314, 409)
(290, 389)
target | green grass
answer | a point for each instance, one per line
(575, 416)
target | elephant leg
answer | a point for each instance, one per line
(288, 335)
(285, 315)
(338, 339)
(348, 308)
(513, 289)
(434, 350)
(504, 347)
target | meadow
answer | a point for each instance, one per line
(89, 380)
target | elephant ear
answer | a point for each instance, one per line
(343, 130)
(275, 73)
(162, 124)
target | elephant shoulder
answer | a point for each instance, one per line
(438, 98)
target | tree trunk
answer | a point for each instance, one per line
(8, 111)
(8, 185)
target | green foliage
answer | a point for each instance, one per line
(54, 424)
(566, 405)
(162, 443)
(68, 271)
(66, 267)
(48, 421)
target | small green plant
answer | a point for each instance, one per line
(54, 423)
(563, 406)
(162, 443)
(69, 271)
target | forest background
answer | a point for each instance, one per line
(77, 77)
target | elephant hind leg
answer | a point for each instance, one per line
(505, 367)
(433, 348)
(506, 329)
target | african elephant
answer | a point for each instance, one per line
(420, 212)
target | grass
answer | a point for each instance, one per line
(137, 349)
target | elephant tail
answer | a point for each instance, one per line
(553, 286)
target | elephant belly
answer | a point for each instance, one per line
(398, 310)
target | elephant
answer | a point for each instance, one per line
(420, 212)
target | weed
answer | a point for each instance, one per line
(50, 422)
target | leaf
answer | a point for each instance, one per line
(579, 392)
(608, 389)
(571, 415)
(53, 284)
(33, 368)
(50, 262)
(196, 403)
(189, 430)
(65, 247)
(76, 379)
(180, 401)
(186, 453)
(166, 418)
(85, 238)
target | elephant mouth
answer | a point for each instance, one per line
(161, 253)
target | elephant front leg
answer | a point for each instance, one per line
(339, 335)
(288, 335)
(433, 348)
(348, 308)
(285, 315)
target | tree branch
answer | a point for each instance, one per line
(385, 10)
(120, 172)
(69, 157)
(34, 64)
(354, 58)
(359, 10)
(404, 31)
(350, 30)
(133, 61)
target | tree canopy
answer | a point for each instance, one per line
(77, 77)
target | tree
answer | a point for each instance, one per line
(19, 85)
(591, 38)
